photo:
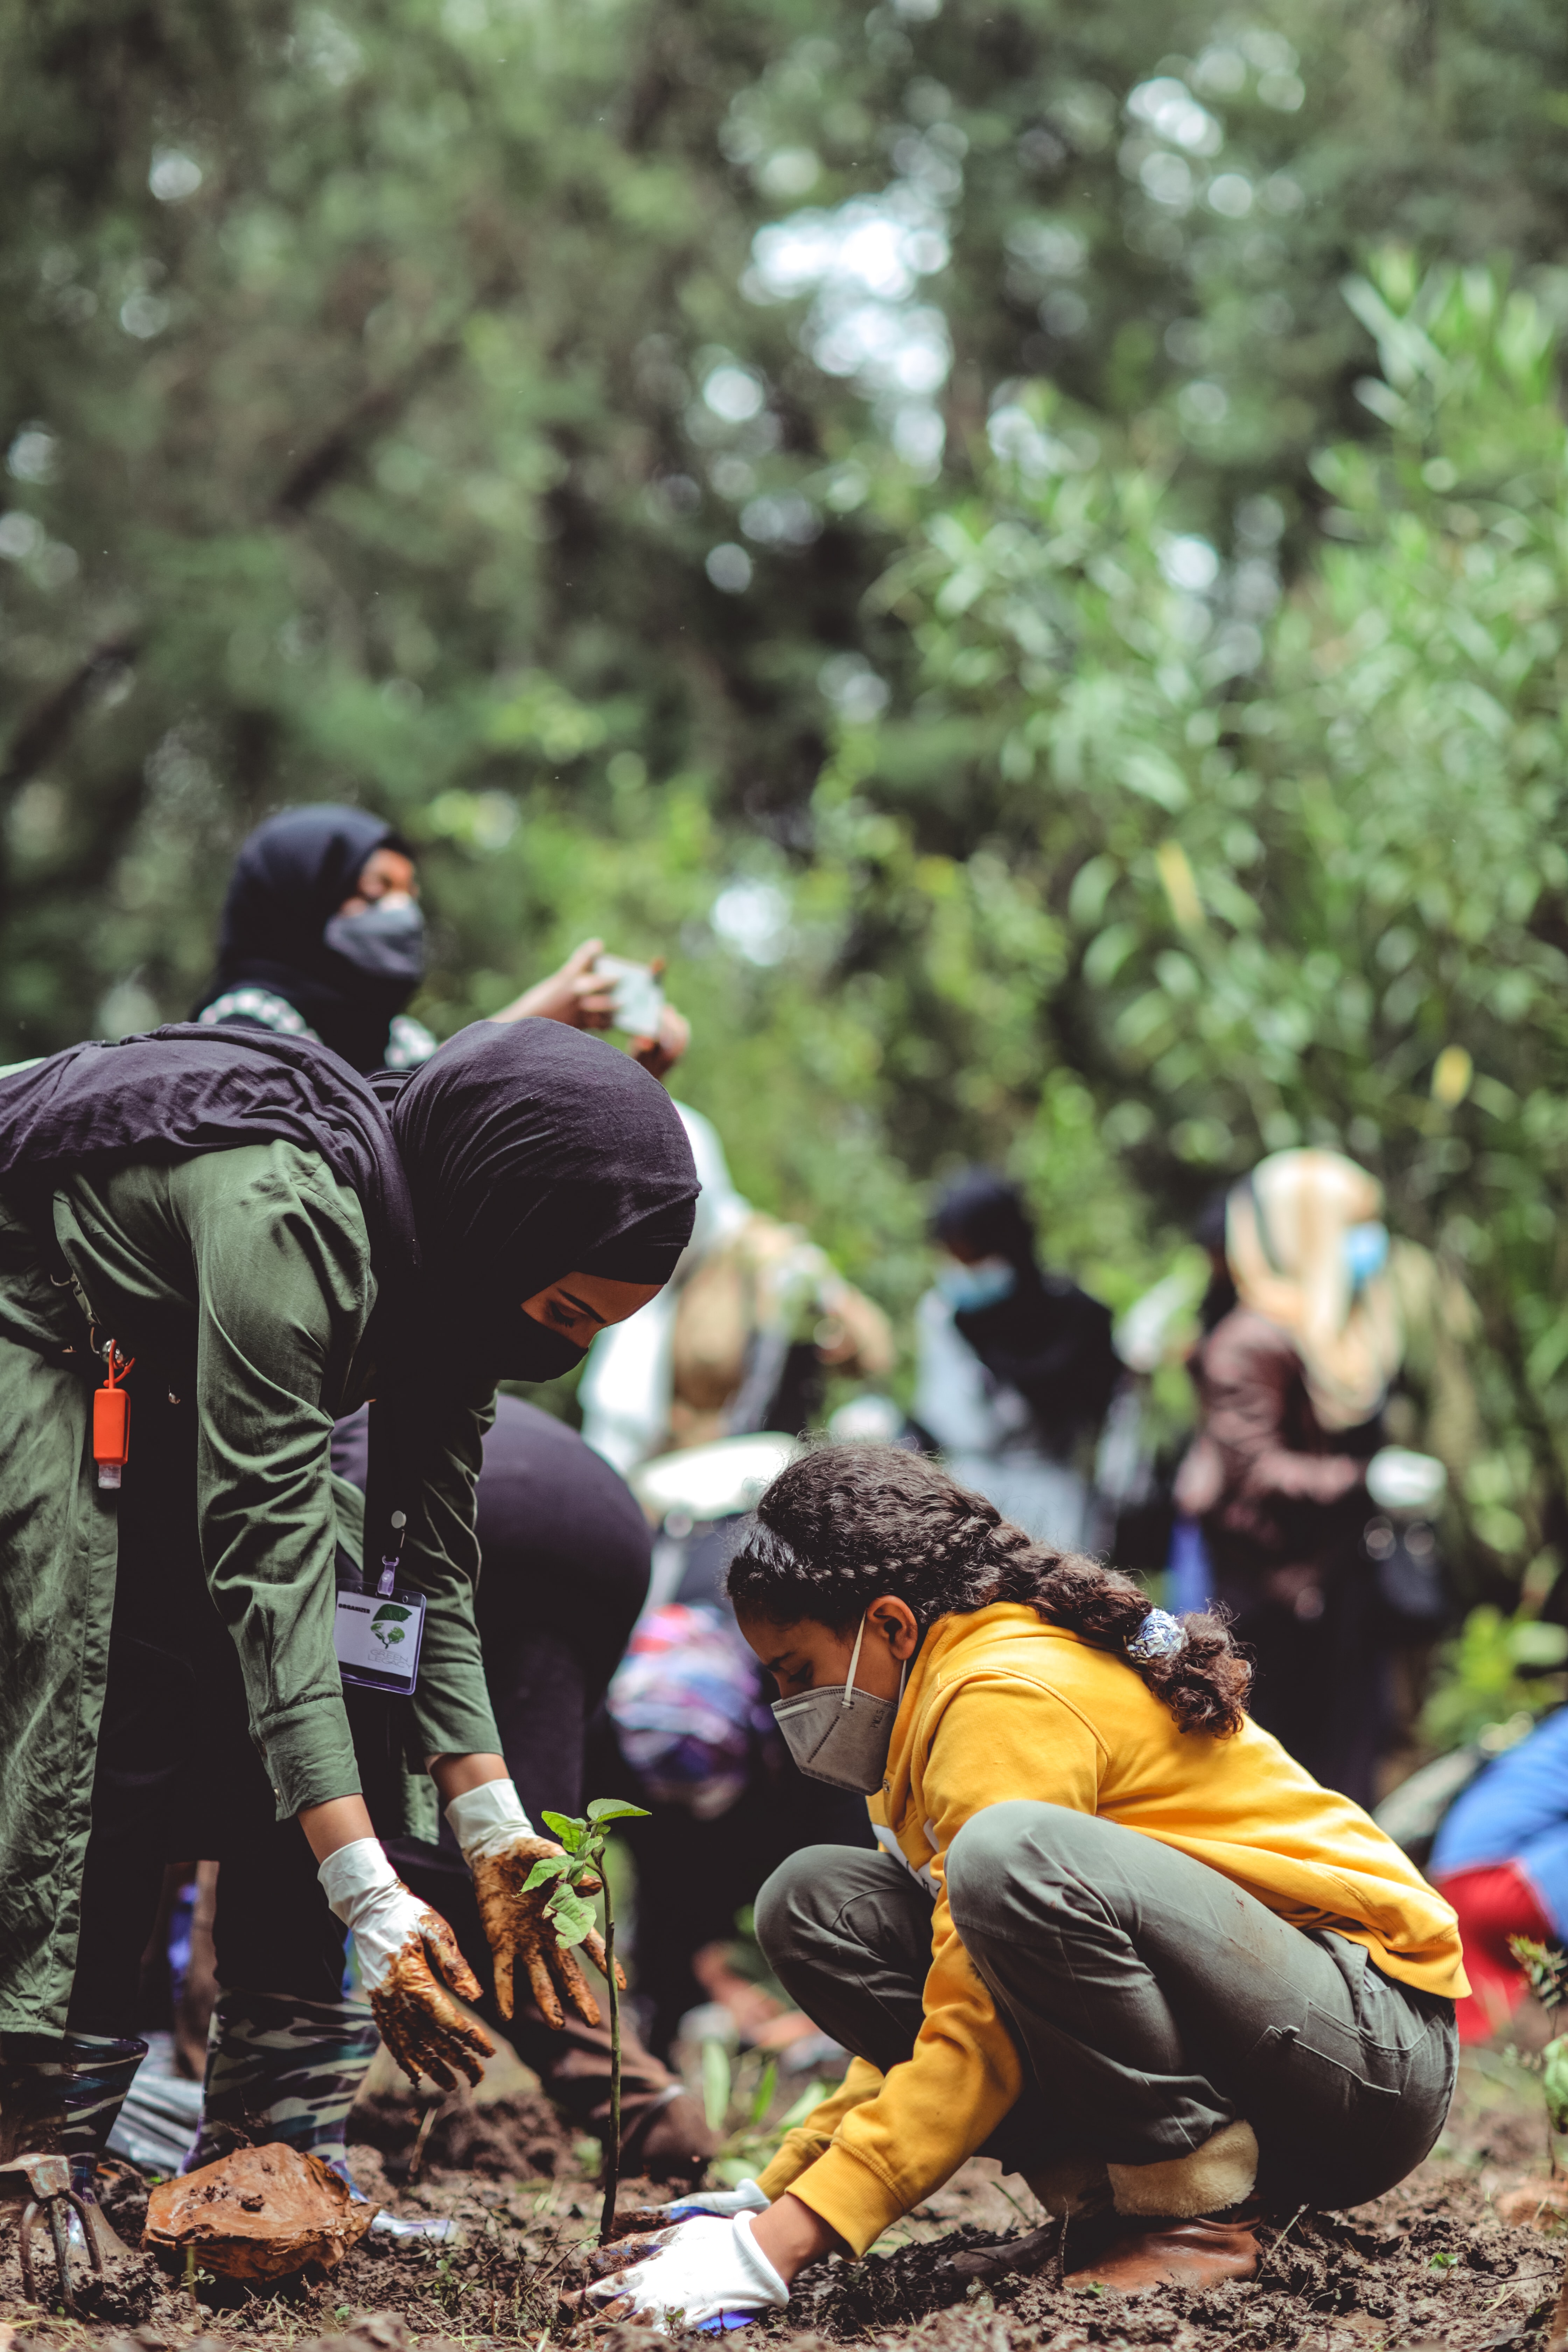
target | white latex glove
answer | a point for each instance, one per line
(407, 1957)
(708, 2273)
(500, 1847)
(745, 2197)
(1399, 1480)
(489, 1820)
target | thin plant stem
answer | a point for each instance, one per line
(613, 2145)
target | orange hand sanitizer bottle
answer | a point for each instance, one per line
(112, 1419)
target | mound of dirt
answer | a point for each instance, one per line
(498, 2139)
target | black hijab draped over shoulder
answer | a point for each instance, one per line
(289, 879)
(521, 1152)
(534, 1150)
(1047, 1339)
(184, 1090)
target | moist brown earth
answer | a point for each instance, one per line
(1465, 2254)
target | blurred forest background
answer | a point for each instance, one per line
(1024, 545)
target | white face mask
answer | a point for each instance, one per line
(839, 1734)
(385, 939)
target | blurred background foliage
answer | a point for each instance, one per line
(1024, 547)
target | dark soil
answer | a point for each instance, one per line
(1465, 2255)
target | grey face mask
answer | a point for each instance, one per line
(841, 1735)
(385, 939)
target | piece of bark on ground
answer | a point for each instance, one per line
(260, 2213)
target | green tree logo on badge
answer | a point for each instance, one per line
(388, 1622)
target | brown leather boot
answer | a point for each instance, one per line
(1201, 2251)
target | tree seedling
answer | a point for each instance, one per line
(1547, 1970)
(571, 1916)
(1546, 1967)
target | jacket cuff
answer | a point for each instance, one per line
(797, 2152)
(448, 1723)
(309, 1754)
(850, 2197)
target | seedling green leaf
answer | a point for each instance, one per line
(614, 1808)
(548, 1866)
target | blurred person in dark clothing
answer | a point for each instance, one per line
(323, 936)
(1302, 1340)
(1015, 1364)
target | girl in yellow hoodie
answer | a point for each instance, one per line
(1114, 1935)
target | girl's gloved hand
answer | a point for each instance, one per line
(745, 2198)
(501, 1849)
(407, 1957)
(708, 2274)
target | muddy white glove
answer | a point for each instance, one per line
(708, 2273)
(745, 2198)
(501, 1849)
(407, 1957)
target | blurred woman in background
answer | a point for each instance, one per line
(323, 936)
(1302, 1339)
(1015, 1365)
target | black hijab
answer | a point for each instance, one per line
(1047, 1339)
(289, 881)
(535, 1150)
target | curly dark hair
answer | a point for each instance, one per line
(845, 1524)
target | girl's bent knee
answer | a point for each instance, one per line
(804, 1893)
(1019, 1834)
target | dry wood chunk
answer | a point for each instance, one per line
(260, 2213)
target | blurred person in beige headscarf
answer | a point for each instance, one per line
(1303, 1337)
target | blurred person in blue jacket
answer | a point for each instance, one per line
(1501, 1858)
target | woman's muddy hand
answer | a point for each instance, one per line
(407, 1957)
(519, 1928)
(420, 2022)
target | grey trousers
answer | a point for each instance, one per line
(1151, 2000)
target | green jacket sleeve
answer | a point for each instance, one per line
(282, 1289)
(451, 1706)
(262, 1259)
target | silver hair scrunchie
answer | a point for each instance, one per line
(1161, 1635)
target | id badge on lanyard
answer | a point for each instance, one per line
(377, 1634)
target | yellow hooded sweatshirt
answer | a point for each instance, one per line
(1000, 1706)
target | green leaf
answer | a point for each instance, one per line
(569, 1908)
(614, 1808)
(567, 1828)
(763, 2099)
(548, 1866)
(1555, 2082)
(716, 2080)
(812, 2096)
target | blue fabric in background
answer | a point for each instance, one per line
(1516, 1809)
(1189, 1568)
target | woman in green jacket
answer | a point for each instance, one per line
(232, 1229)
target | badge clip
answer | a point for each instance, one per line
(377, 1635)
